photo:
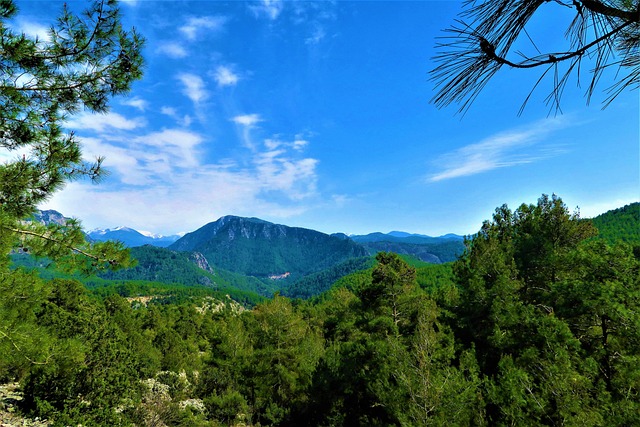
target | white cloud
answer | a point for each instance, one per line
(33, 29)
(294, 177)
(505, 149)
(136, 102)
(270, 9)
(194, 87)
(196, 25)
(247, 120)
(224, 76)
(147, 159)
(184, 121)
(299, 144)
(173, 50)
(161, 182)
(102, 122)
(169, 111)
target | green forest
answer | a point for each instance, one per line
(537, 323)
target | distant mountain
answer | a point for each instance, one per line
(50, 217)
(402, 237)
(403, 234)
(434, 250)
(258, 248)
(131, 237)
(126, 235)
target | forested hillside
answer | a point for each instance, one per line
(258, 248)
(622, 224)
(434, 250)
(536, 324)
(186, 268)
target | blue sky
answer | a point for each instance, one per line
(317, 114)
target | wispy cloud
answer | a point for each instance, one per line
(316, 36)
(184, 121)
(247, 120)
(161, 181)
(269, 9)
(102, 122)
(173, 50)
(505, 149)
(294, 177)
(195, 26)
(32, 29)
(136, 102)
(224, 76)
(246, 123)
(193, 87)
(297, 144)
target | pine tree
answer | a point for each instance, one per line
(86, 60)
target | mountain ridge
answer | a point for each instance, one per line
(260, 248)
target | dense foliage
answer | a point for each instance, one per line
(536, 324)
(318, 283)
(166, 266)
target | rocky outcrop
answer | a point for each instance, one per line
(198, 259)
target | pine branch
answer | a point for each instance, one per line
(58, 242)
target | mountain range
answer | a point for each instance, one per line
(131, 237)
(256, 256)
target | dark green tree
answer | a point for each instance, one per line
(549, 317)
(393, 284)
(86, 60)
(600, 302)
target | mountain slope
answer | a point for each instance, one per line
(259, 248)
(620, 224)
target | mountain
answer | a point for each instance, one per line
(126, 235)
(434, 250)
(258, 248)
(50, 217)
(131, 237)
(403, 234)
(403, 237)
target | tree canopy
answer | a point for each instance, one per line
(602, 34)
(85, 60)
